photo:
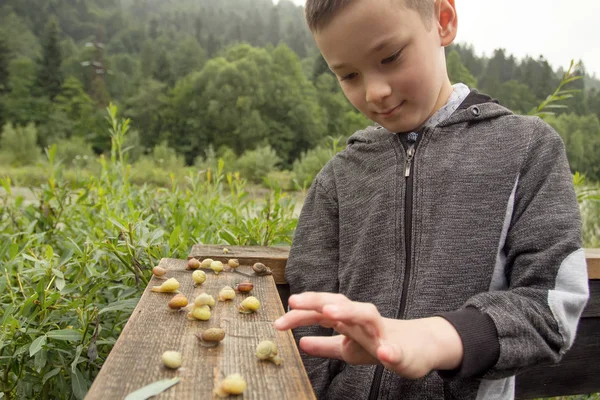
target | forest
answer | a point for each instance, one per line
(236, 79)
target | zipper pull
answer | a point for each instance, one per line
(410, 153)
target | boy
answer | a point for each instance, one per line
(439, 254)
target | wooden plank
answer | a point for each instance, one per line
(592, 309)
(592, 257)
(577, 373)
(135, 360)
(273, 257)
(276, 257)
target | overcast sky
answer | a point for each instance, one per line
(559, 30)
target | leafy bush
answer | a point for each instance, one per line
(75, 263)
(256, 164)
(18, 145)
(76, 152)
(310, 163)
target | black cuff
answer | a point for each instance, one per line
(480, 342)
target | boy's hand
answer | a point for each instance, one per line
(411, 348)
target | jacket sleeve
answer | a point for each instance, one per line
(312, 266)
(536, 317)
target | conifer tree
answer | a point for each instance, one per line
(49, 79)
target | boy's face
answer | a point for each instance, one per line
(390, 65)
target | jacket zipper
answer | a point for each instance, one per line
(408, 166)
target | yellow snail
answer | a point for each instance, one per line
(205, 264)
(232, 384)
(216, 266)
(249, 305)
(267, 350)
(233, 263)
(199, 277)
(227, 293)
(202, 313)
(204, 299)
(169, 286)
(172, 359)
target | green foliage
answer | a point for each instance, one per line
(76, 153)
(49, 76)
(18, 145)
(457, 72)
(310, 163)
(581, 135)
(74, 262)
(254, 165)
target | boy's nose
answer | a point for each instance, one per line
(377, 90)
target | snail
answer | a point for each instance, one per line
(159, 271)
(172, 359)
(249, 305)
(169, 286)
(205, 264)
(227, 293)
(233, 263)
(261, 269)
(267, 350)
(225, 250)
(216, 266)
(202, 313)
(232, 384)
(204, 299)
(244, 287)
(199, 277)
(193, 264)
(178, 302)
(211, 337)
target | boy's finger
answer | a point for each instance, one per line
(323, 346)
(296, 318)
(316, 300)
(365, 315)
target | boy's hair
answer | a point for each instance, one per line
(319, 13)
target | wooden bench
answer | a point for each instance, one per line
(152, 328)
(135, 360)
(575, 374)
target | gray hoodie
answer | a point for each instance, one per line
(477, 222)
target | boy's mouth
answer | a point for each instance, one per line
(389, 112)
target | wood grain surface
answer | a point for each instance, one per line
(274, 257)
(135, 360)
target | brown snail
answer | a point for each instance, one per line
(193, 264)
(159, 271)
(211, 337)
(244, 287)
(261, 269)
(177, 302)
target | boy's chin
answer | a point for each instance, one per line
(399, 126)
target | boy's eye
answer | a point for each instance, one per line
(391, 58)
(348, 77)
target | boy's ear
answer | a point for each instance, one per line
(447, 21)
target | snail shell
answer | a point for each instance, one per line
(261, 269)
